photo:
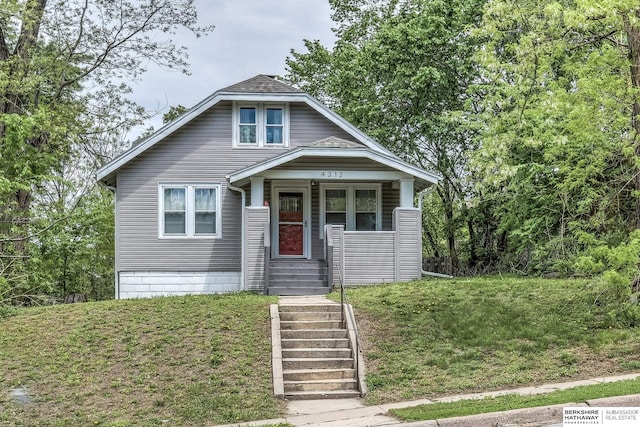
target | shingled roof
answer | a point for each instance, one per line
(261, 84)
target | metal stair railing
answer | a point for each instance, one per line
(344, 300)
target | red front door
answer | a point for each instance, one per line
(290, 223)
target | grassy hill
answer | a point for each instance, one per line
(439, 337)
(202, 360)
(165, 361)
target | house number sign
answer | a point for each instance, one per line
(332, 174)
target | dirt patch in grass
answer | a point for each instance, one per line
(168, 361)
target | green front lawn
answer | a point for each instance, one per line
(439, 337)
(166, 361)
(206, 359)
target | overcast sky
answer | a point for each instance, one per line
(250, 37)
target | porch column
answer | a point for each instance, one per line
(406, 192)
(257, 190)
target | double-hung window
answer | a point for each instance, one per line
(260, 125)
(274, 130)
(189, 210)
(248, 125)
(356, 206)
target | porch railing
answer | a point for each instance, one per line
(328, 255)
(267, 256)
(371, 257)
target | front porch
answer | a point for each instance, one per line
(343, 209)
(350, 257)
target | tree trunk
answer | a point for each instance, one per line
(433, 243)
(17, 208)
(445, 195)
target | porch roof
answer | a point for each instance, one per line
(335, 148)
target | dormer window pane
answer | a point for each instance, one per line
(274, 126)
(274, 116)
(248, 125)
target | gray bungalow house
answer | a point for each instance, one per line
(260, 187)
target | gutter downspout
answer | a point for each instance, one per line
(116, 282)
(421, 195)
(242, 251)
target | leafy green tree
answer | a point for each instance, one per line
(64, 68)
(558, 101)
(174, 112)
(399, 70)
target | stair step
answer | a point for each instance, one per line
(310, 324)
(317, 359)
(311, 395)
(287, 291)
(321, 385)
(315, 343)
(318, 374)
(296, 263)
(278, 275)
(309, 315)
(316, 363)
(316, 353)
(287, 282)
(312, 334)
(303, 308)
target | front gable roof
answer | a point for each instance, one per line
(333, 147)
(261, 88)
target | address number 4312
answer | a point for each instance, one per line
(331, 174)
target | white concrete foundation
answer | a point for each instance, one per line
(148, 284)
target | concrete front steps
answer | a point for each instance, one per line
(317, 359)
(297, 277)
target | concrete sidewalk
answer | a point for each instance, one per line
(353, 412)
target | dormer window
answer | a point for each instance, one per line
(275, 126)
(260, 125)
(248, 125)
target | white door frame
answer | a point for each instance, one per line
(278, 187)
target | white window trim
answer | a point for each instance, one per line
(350, 189)
(190, 210)
(261, 124)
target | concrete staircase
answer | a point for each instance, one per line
(317, 359)
(297, 277)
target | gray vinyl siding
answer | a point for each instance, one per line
(337, 232)
(408, 226)
(368, 257)
(307, 125)
(390, 201)
(317, 245)
(200, 152)
(255, 220)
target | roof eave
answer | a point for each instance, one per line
(393, 162)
